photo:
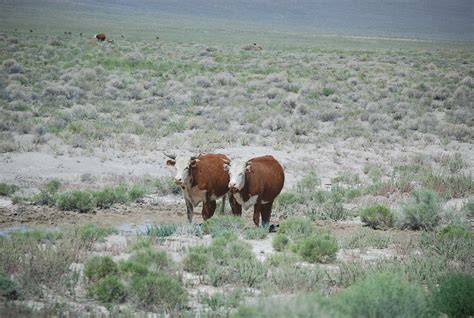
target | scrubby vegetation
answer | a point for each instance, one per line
(374, 132)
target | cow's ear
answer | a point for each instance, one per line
(170, 162)
(193, 163)
(248, 168)
(226, 167)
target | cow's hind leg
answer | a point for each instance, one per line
(208, 209)
(257, 210)
(189, 210)
(266, 213)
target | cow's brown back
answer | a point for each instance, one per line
(209, 174)
(265, 178)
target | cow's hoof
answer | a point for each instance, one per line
(273, 228)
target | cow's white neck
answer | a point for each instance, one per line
(245, 204)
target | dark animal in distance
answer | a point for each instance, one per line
(100, 37)
(256, 182)
(202, 179)
(31, 31)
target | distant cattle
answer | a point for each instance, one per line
(256, 182)
(80, 34)
(203, 179)
(100, 37)
(31, 31)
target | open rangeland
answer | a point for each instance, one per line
(374, 135)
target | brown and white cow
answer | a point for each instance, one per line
(100, 37)
(202, 179)
(256, 182)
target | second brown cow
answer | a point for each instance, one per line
(256, 182)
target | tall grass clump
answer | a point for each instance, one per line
(421, 211)
(7, 189)
(381, 295)
(377, 217)
(312, 245)
(320, 247)
(454, 294)
(226, 260)
(47, 195)
(76, 200)
(223, 224)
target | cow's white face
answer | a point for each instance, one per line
(183, 169)
(237, 170)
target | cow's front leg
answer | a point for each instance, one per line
(235, 206)
(266, 213)
(257, 210)
(208, 209)
(189, 210)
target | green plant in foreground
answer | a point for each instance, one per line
(158, 290)
(295, 228)
(109, 289)
(255, 233)
(320, 247)
(280, 242)
(454, 295)
(106, 197)
(82, 201)
(453, 231)
(221, 224)
(97, 267)
(421, 211)
(380, 295)
(8, 288)
(92, 232)
(7, 189)
(377, 216)
(161, 230)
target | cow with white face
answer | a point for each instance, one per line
(256, 182)
(202, 179)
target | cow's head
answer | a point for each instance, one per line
(237, 169)
(183, 165)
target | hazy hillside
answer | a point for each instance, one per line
(429, 19)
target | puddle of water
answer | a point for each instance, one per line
(6, 231)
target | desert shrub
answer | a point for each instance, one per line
(98, 267)
(226, 260)
(131, 268)
(7, 189)
(378, 216)
(381, 295)
(154, 260)
(287, 276)
(136, 192)
(47, 195)
(328, 91)
(255, 233)
(421, 211)
(453, 231)
(109, 289)
(106, 197)
(368, 238)
(295, 227)
(92, 232)
(225, 223)
(226, 300)
(320, 247)
(447, 185)
(454, 295)
(197, 260)
(161, 230)
(158, 290)
(280, 242)
(303, 306)
(82, 201)
(38, 235)
(8, 288)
